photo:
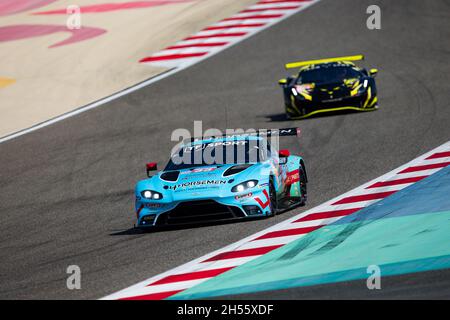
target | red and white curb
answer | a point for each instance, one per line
(192, 273)
(196, 48)
(226, 33)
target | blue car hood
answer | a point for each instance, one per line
(200, 182)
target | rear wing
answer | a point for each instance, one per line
(283, 132)
(299, 64)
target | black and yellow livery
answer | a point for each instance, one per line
(329, 85)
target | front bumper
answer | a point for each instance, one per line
(301, 108)
(242, 205)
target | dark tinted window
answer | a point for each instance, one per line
(218, 152)
(328, 74)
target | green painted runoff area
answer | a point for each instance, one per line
(403, 233)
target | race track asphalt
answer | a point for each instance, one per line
(66, 195)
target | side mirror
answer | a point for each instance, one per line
(373, 72)
(282, 81)
(151, 166)
(284, 153)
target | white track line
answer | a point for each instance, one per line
(174, 68)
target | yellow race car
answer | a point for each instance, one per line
(329, 85)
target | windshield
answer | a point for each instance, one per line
(328, 74)
(218, 152)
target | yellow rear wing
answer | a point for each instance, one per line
(337, 59)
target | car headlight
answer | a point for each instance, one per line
(244, 186)
(151, 195)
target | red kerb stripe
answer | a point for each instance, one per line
(365, 197)
(242, 253)
(440, 155)
(425, 167)
(218, 35)
(395, 182)
(260, 16)
(288, 232)
(153, 296)
(191, 276)
(231, 26)
(173, 56)
(280, 1)
(270, 8)
(198, 45)
(327, 214)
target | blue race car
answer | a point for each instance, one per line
(222, 178)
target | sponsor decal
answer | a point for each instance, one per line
(198, 189)
(202, 170)
(199, 172)
(292, 177)
(197, 176)
(153, 205)
(268, 133)
(243, 196)
(201, 183)
(214, 145)
(266, 203)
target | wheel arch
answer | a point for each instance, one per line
(302, 163)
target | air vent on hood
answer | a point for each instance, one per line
(236, 169)
(170, 175)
